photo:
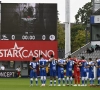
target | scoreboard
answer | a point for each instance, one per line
(28, 30)
(28, 21)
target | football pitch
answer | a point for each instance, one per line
(24, 84)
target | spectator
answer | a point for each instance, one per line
(97, 47)
(88, 51)
(92, 49)
(2, 67)
(18, 71)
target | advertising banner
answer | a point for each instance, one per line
(7, 73)
(25, 50)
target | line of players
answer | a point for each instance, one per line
(80, 68)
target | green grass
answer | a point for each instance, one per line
(23, 84)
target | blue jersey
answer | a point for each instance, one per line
(33, 65)
(43, 62)
(91, 69)
(84, 66)
(69, 65)
(98, 69)
(69, 68)
(33, 72)
(84, 69)
(88, 67)
(53, 68)
(53, 64)
(61, 69)
(98, 62)
(61, 61)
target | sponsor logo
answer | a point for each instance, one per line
(52, 37)
(21, 52)
(4, 37)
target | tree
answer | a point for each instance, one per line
(75, 28)
(80, 39)
(84, 13)
(78, 32)
(74, 32)
(60, 36)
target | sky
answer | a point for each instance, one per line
(74, 6)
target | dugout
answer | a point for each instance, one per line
(12, 65)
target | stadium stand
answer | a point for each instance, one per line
(93, 52)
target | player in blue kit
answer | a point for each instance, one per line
(43, 63)
(33, 71)
(69, 69)
(61, 64)
(98, 70)
(53, 72)
(84, 68)
(91, 71)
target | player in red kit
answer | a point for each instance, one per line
(77, 71)
(77, 64)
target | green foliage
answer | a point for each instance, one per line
(60, 36)
(80, 39)
(74, 32)
(78, 34)
(84, 13)
(75, 28)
